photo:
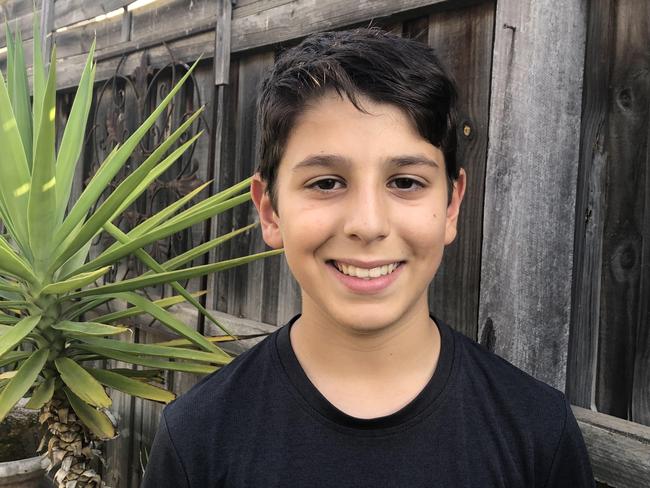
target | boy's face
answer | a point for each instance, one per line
(359, 195)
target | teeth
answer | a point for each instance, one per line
(350, 270)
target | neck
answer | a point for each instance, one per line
(406, 348)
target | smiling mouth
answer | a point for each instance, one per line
(365, 273)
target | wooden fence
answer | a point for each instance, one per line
(551, 269)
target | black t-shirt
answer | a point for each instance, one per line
(259, 422)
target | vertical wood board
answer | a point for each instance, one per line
(590, 210)
(626, 217)
(463, 40)
(530, 186)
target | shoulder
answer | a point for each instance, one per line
(534, 419)
(209, 401)
(491, 374)
(527, 409)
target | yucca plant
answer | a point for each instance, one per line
(50, 349)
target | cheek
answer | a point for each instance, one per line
(304, 232)
(425, 233)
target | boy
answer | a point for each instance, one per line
(358, 181)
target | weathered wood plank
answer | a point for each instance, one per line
(185, 50)
(225, 177)
(245, 8)
(70, 12)
(249, 281)
(117, 451)
(223, 33)
(590, 211)
(627, 135)
(531, 174)
(640, 408)
(77, 40)
(289, 295)
(248, 32)
(619, 450)
(20, 16)
(221, 94)
(146, 415)
(463, 40)
(286, 21)
(170, 15)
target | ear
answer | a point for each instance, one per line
(269, 220)
(453, 209)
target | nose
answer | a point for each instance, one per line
(367, 216)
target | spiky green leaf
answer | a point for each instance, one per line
(41, 208)
(153, 350)
(74, 135)
(89, 328)
(178, 275)
(13, 357)
(168, 320)
(109, 169)
(20, 98)
(137, 181)
(18, 332)
(133, 311)
(189, 219)
(42, 394)
(142, 255)
(82, 383)
(15, 178)
(97, 421)
(148, 361)
(38, 74)
(157, 155)
(13, 264)
(131, 386)
(75, 282)
(22, 381)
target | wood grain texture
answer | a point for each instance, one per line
(626, 213)
(224, 178)
(20, 16)
(619, 450)
(186, 49)
(530, 183)
(171, 15)
(223, 33)
(590, 210)
(463, 40)
(640, 408)
(189, 27)
(248, 282)
(77, 40)
(70, 12)
(282, 21)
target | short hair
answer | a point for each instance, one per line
(367, 62)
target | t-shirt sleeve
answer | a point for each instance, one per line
(571, 467)
(164, 468)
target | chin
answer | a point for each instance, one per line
(367, 319)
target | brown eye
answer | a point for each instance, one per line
(326, 184)
(406, 184)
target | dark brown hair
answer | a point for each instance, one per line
(372, 63)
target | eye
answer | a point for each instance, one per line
(325, 184)
(406, 183)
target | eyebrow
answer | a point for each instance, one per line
(333, 160)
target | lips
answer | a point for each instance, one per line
(366, 272)
(365, 285)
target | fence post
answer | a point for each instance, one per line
(221, 62)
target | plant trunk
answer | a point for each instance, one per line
(71, 448)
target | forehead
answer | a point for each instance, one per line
(332, 130)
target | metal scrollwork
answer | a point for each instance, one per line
(121, 104)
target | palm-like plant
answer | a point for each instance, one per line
(45, 270)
